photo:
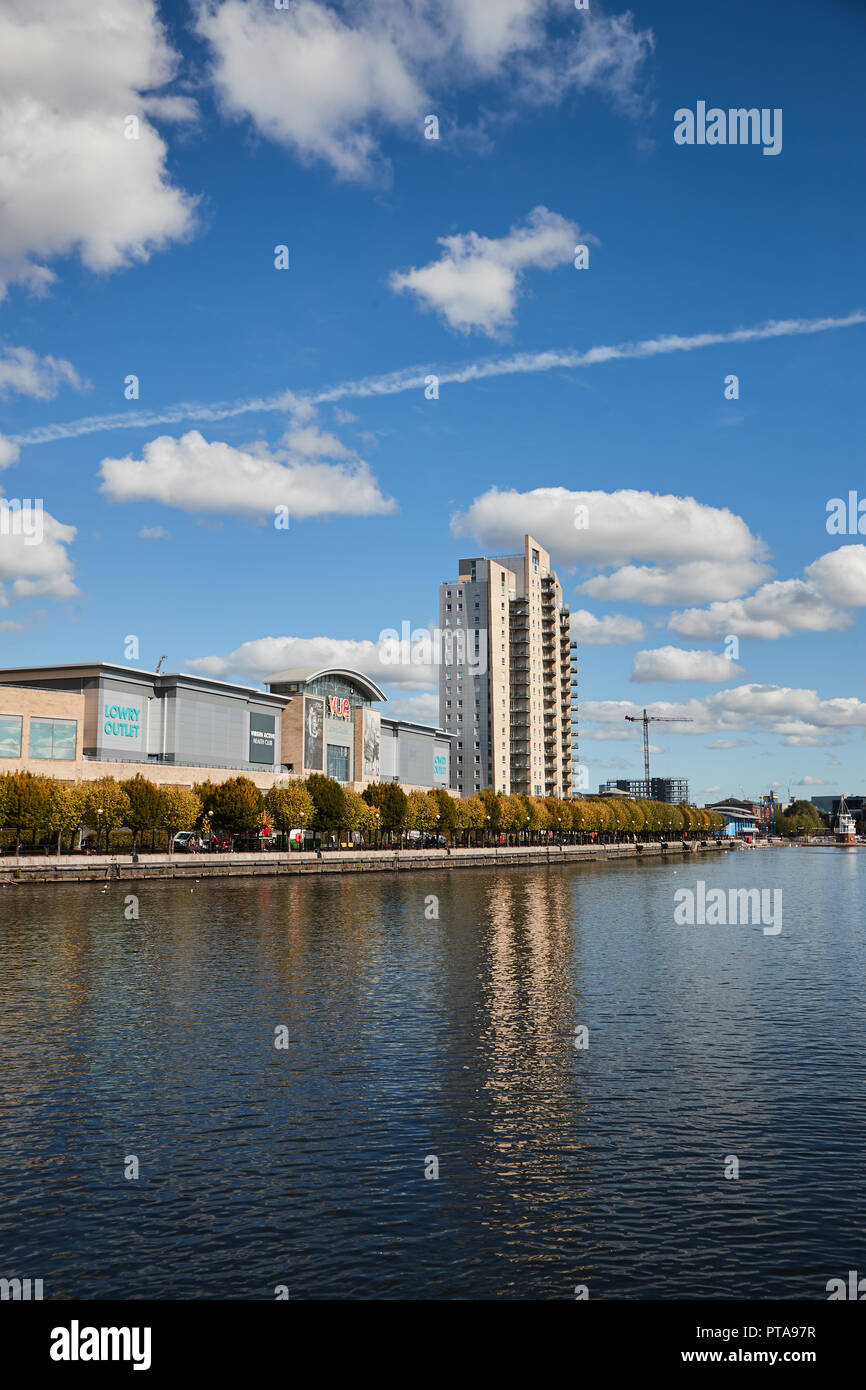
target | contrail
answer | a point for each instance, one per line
(414, 378)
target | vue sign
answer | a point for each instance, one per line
(338, 706)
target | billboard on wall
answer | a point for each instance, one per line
(314, 734)
(372, 745)
(263, 738)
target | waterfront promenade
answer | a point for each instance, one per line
(76, 868)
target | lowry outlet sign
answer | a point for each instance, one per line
(122, 721)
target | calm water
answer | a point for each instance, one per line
(411, 1037)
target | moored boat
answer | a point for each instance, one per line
(843, 828)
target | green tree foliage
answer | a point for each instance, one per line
(289, 806)
(420, 812)
(145, 806)
(329, 802)
(236, 806)
(106, 807)
(181, 808)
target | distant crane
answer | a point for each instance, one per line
(159, 663)
(646, 720)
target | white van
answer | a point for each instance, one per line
(185, 841)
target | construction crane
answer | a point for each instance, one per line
(646, 720)
(159, 664)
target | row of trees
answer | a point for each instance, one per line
(50, 811)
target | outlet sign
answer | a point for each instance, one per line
(440, 765)
(121, 721)
(338, 707)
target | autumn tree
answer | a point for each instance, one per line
(180, 809)
(106, 807)
(289, 805)
(145, 806)
(236, 806)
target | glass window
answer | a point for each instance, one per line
(338, 762)
(53, 738)
(10, 735)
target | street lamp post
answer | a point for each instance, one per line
(98, 831)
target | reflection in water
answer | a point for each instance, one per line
(413, 1035)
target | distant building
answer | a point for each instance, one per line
(829, 805)
(673, 790)
(741, 817)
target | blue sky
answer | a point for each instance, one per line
(304, 127)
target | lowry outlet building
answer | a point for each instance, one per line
(81, 722)
(508, 675)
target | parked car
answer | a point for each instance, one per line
(186, 842)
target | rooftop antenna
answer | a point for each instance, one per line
(158, 664)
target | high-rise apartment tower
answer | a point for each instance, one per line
(508, 675)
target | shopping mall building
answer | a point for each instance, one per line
(99, 720)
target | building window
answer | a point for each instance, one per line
(53, 738)
(338, 762)
(10, 736)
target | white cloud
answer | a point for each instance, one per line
(476, 281)
(265, 656)
(604, 734)
(664, 584)
(603, 632)
(422, 709)
(610, 56)
(615, 528)
(833, 582)
(9, 452)
(840, 576)
(196, 475)
(326, 83)
(729, 743)
(676, 664)
(23, 372)
(70, 182)
(808, 781)
(34, 570)
(311, 81)
(749, 708)
(154, 533)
